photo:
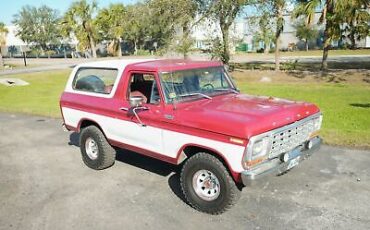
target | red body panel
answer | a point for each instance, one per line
(241, 116)
(225, 116)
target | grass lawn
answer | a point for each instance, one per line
(314, 53)
(301, 66)
(346, 106)
(41, 97)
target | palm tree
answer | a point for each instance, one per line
(79, 20)
(330, 10)
(305, 32)
(279, 7)
(111, 22)
(356, 16)
(3, 33)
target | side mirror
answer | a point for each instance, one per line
(136, 106)
(136, 101)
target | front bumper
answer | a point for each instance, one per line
(276, 166)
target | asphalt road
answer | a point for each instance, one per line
(41, 65)
(45, 185)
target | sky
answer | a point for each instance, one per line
(10, 7)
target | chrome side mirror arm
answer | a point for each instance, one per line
(137, 116)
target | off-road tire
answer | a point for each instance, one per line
(229, 191)
(106, 153)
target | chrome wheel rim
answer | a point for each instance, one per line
(91, 148)
(206, 185)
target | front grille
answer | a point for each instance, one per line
(284, 140)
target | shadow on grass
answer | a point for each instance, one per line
(361, 105)
(146, 163)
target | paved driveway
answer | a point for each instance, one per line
(45, 185)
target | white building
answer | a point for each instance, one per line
(242, 32)
(12, 39)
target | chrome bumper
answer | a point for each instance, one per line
(276, 166)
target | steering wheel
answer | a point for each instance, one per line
(208, 87)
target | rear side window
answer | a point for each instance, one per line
(95, 80)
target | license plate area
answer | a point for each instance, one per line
(294, 162)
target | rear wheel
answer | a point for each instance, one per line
(96, 152)
(207, 185)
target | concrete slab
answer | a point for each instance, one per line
(13, 82)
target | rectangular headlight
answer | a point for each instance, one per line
(316, 127)
(318, 123)
(257, 150)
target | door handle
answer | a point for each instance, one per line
(123, 109)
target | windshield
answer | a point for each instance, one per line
(195, 83)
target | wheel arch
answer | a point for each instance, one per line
(191, 149)
(85, 122)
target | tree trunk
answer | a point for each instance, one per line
(277, 54)
(92, 46)
(324, 63)
(185, 40)
(353, 39)
(225, 38)
(185, 54)
(327, 36)
(135, 47)
(306, 45)
(266, 48)
(119, 53)
(1, 59)
(279, 27)
(90, 38)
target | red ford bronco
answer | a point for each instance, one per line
(187, 113)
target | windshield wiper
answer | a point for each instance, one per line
(227, 89)
(196, 94)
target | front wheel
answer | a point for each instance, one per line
(96, 152)
(207, 185)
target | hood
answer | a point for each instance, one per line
(242, 116)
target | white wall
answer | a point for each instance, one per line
(12, 39)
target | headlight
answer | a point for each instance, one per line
(318, 122)
(315, 127)
(257, 150)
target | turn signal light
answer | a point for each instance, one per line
(237, 140)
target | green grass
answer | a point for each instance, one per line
(41, 97)
(315, 53)
(296, 65)
(331, 52)
(346, 107)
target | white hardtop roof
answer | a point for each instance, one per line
(119, 64)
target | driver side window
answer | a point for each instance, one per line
(144, 85)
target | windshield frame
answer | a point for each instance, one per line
(193, 97)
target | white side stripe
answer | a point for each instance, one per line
(154, 139)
